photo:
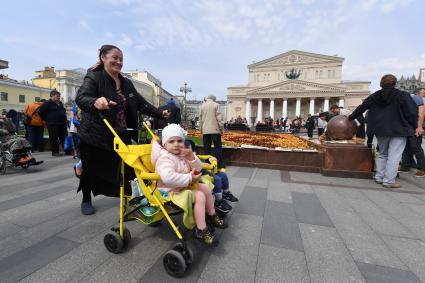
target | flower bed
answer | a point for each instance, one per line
(266, 140)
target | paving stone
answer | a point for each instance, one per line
(84, 259)
(231, 170)
(135, 262)
(244, 172)
(401, 212)
(328, 259)
(9, 229)
(362, 242)
(252, 201)
(90, 227)
(237, 185)
(411, 252)
(281, 265)
(309, 210)
(236, 256)
(300, 188)
(20, 265)
(278, 191)
(267, 175)
(381, 274)
(308, 177)
(379, 220)
(33, 189)
(407, 198)
(28, 237)
(280, 228)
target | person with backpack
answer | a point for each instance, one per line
(35, 125)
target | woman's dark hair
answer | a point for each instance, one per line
(104, 49)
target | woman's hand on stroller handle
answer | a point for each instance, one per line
(104, 104)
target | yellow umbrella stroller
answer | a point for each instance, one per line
(151, 207)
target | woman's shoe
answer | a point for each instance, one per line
(206, 237)
(216, 221)
(87, 208)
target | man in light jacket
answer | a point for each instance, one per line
(211, 127)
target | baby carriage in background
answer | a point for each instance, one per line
(150, 207)
(15, 151)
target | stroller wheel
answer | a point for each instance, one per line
(187, 252)
(113, 242)
(25, 165)
(2, 165)
(127, 237)
(174, 263)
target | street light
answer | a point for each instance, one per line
(185, 89)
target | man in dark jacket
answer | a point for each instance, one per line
(174, 118)
(54, 114)
(309, 124)
(392, 117)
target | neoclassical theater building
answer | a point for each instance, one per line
(292, 84)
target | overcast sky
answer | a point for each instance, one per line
(209, 44)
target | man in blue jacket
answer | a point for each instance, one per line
(392, 117)
(54, 114)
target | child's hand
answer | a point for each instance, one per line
(187, 153)
(195, 175)
(211, 159)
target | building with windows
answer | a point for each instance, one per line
(67, 82)
(160, 95)
(409, 84)
(293, 83)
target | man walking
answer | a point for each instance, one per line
(309, 124)
(35, 125)
(392, 117)
(54, 114)
(414, 143)
(211, 127)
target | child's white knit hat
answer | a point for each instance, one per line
(172, 130)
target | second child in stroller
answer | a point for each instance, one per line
(18, 147)
(179, 169)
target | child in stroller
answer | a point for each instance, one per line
(14, 148)
(179, 168)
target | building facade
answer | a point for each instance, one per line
(293, 84)
(409, 84)
(193, 108)
(67, 82)
(160, 95)
(15, 95)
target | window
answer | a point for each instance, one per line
(267, 77)
(329, 74)
(37, 99)
(3, 96)
(21, 98)
(317, 74)
(257, 77)
(320, 74)
(305, 75)
(333, 73)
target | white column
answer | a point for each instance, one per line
(65, 93)
(260, 110)
(341, 102)
(285, 108)
(326, 104)
(311, 106)
(298, 107)
(272, 108)
(248, 112)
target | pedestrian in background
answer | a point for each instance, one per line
(211, 126)
(35, 125)
(393, 116)
(54, 114)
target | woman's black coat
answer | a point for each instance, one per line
(97, 84)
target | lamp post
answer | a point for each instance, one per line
(185, 89)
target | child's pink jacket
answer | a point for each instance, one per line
(173, 169)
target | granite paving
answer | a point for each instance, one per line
(287, 227)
